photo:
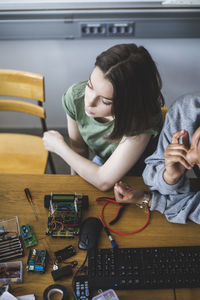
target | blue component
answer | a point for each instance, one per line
(115, 284)
(87, 292)
(39, 268)
(114, 244)
(78, 293)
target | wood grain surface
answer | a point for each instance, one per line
(158, 233)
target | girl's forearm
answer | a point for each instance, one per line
(83, 166)
(83, 151)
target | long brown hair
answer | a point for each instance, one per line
(137, 88)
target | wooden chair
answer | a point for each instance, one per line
(23, 153)
(164, 111)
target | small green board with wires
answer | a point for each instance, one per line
(37, 261)
(28, 235)
(65, 211)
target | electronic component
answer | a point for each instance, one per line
(65, 253)
(11, 249)
(9, 228)
(81, 287)
(62, 272)
(11, 272)
(10, 241)
(2, 230)
(37, 261)
(65, 212)
(28, 235)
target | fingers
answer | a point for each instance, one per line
(118, 193)
(176, 157)
(119, 188)
(185, 138)
(123, 193)
(176, 152)
(50, 132)
(124, 186)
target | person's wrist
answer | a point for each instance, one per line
(170, 178)
(145, 201)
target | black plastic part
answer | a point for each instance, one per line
(62, 272)
(116, 219)
(89, 233)
(65, 253)
(85, 202)
(47, 199)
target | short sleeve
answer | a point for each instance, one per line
(68, 103)
(158, 125)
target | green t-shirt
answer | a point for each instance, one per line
(92, 131)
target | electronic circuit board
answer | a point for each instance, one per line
(28, 235)
(37, 260)
(64, 214)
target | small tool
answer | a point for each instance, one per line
(122, 207)
(113, 243)
(29, 198)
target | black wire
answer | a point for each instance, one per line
(74, 276)
(174, 290)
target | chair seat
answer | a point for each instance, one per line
(19, 154)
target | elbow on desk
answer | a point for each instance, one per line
(103, 181)
(103, 185)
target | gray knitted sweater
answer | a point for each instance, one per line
(175, 201)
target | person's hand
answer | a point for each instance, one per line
(175, 157)
(53, 141)
(125, 194)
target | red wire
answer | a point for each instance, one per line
(119, 232)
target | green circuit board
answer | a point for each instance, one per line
(28, 235)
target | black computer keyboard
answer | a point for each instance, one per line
(144, 268)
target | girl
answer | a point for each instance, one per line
(116, 114)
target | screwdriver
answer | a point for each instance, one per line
(29, 198)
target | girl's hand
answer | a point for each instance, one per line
(126, 194)
(175, 157)
(53, 141)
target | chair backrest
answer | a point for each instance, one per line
(23, 85)
(17, 90)
(164, 110)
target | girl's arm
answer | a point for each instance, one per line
(76, 141)
(103, 177)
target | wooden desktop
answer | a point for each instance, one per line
(159, 232)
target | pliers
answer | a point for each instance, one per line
(122, 206)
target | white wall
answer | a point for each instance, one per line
(64, 62)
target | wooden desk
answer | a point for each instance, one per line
(158, 233)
